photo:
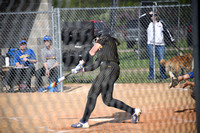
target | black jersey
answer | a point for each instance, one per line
(107, 52)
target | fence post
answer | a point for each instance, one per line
(59, 45)
(195, 21)
(154, 46)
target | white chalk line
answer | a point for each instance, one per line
(47, 129)
(12, 118)
(183, 120)
(101, 119)
(62, 131)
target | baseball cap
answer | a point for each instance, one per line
(22, 42)
(47, 38)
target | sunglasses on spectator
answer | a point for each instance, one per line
(22, 44)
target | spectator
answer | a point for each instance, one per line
(21, 74)
(50, 64)
(146, 21)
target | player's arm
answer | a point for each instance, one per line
(91, 53)
(94, 49)
(185, 77)
(95, 65)
(188, 83)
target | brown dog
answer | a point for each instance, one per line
(178, 64)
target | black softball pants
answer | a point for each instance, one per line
(104, 83)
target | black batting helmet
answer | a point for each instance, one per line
(104, 31)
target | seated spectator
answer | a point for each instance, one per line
(21, 74)
(50, 64)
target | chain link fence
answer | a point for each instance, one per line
(71, 32)
(124, 24)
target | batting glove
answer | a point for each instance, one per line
(74, 71)
(79, 67)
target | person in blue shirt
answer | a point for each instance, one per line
(21, 74)
(25, 56)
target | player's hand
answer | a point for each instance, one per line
(79, 66)
(151, 12)
(187, 83)
(77, 69)
(74, 71)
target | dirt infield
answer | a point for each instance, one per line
(163, 110)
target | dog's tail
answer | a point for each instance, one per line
(162, 62)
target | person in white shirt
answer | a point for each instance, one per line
(161, 32)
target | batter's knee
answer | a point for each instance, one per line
(107, 101)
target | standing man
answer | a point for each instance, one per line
(50, 64)
(107, 58)
(161, 32)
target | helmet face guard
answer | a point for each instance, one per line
(47, 38)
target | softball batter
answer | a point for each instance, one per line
(107, 58)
